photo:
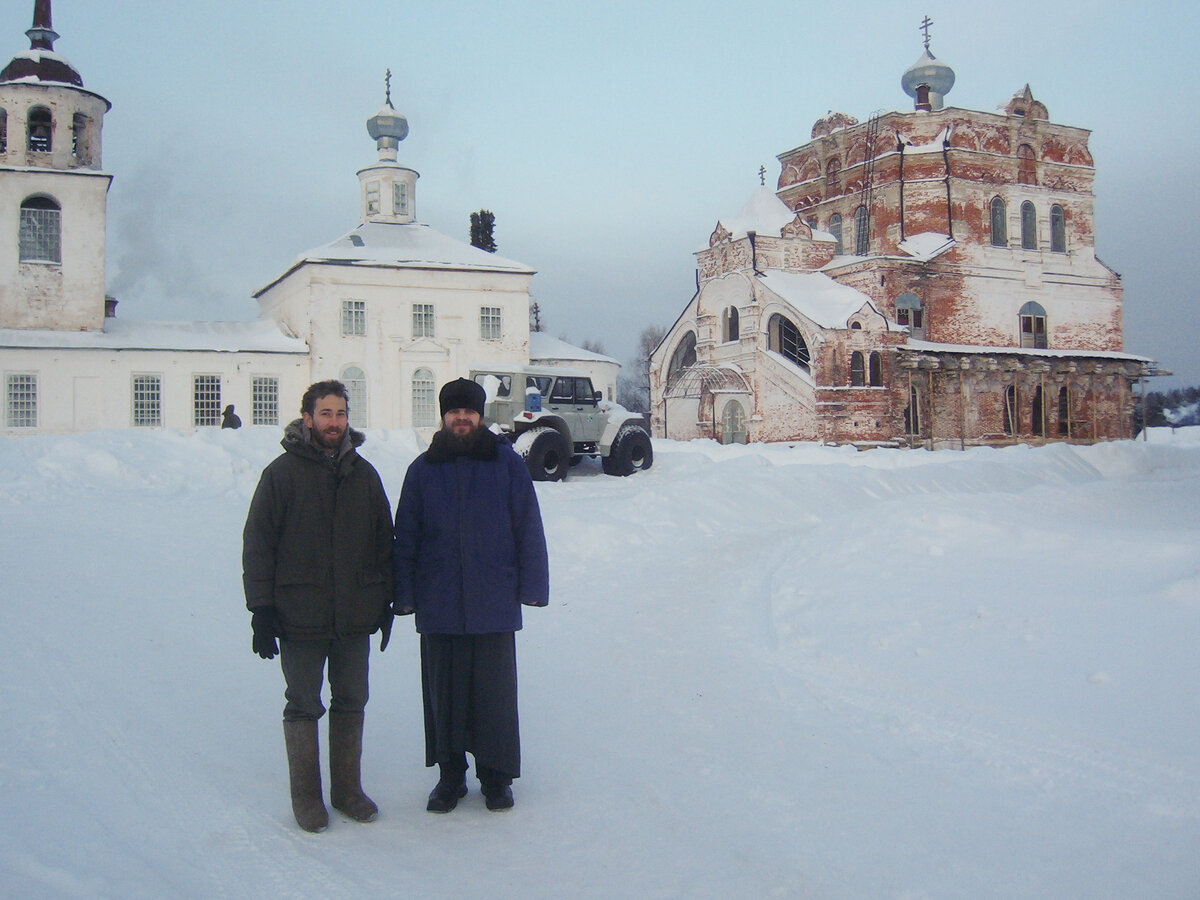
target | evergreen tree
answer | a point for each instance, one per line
(483, 224)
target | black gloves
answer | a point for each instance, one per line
(265, 622)
(385, 627)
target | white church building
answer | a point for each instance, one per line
(392, 308)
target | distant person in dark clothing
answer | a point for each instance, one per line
(229, 419)
(470, 550)
(317, 567)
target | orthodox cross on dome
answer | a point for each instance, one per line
(925, 23)
(387, 84)
(762, 176)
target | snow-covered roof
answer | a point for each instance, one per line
(1054, 352)
(764, 213)
(816, 295)
(259, 336)
(409, 246)
(543, 346)
(927, 245)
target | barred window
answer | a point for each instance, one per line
(21, 401)
(356, 386)
(490, 326)
(264, 400)
(206, 400)
(785, 339)
(41, 231)
(41, 130)
(354, 317)
(422, 320)
(835, 228)
(147, 400)
(424, 408)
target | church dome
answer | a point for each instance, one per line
(40, 62)
(931, 72)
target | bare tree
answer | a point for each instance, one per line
(633, 390)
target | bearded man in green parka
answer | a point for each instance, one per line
(316, 566)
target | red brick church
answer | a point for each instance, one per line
(927, 277)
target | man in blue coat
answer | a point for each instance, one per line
(469, 551)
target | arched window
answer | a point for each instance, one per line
(835, 228)
(858, 370)
(683, 357)
(1028, 226)
(999, 223)
(41, 130)
(833, 186)
(423, 404)
(356, 386)
(862, 240)
(785, 339)
(875, 370)
(1058, 229)
(1064, 411)
(731, 324)
(910, 312)
(1038, 413)
(41, 231)
(1026, 165)
(1011, 422)
(912, 413)
(1033, 325)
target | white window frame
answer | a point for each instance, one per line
(424, 320)
(491, 323)
(355, 380)
(424, 399)
(354, 318)
(264, 400)
(20, 400)
(206, 402)
(145, 400)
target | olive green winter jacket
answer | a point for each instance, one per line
(318, 540)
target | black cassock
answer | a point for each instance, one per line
(469, 688)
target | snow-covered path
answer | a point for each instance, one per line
(764, 671)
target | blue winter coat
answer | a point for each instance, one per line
(469, 549)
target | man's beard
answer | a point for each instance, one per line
(331, 441)
(461, 443)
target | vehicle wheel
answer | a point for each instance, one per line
(546, 453)
(631, 452)
(576, 460)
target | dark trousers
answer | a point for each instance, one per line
(303, 664)
(469, 688)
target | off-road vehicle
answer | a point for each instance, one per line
(554, 418)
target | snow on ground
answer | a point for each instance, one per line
(765, 671)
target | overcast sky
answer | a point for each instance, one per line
(607, 138)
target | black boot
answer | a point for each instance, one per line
(451, 787)
(495, 786)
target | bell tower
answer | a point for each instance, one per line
(53, 193)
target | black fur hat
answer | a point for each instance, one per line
(461, 394)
